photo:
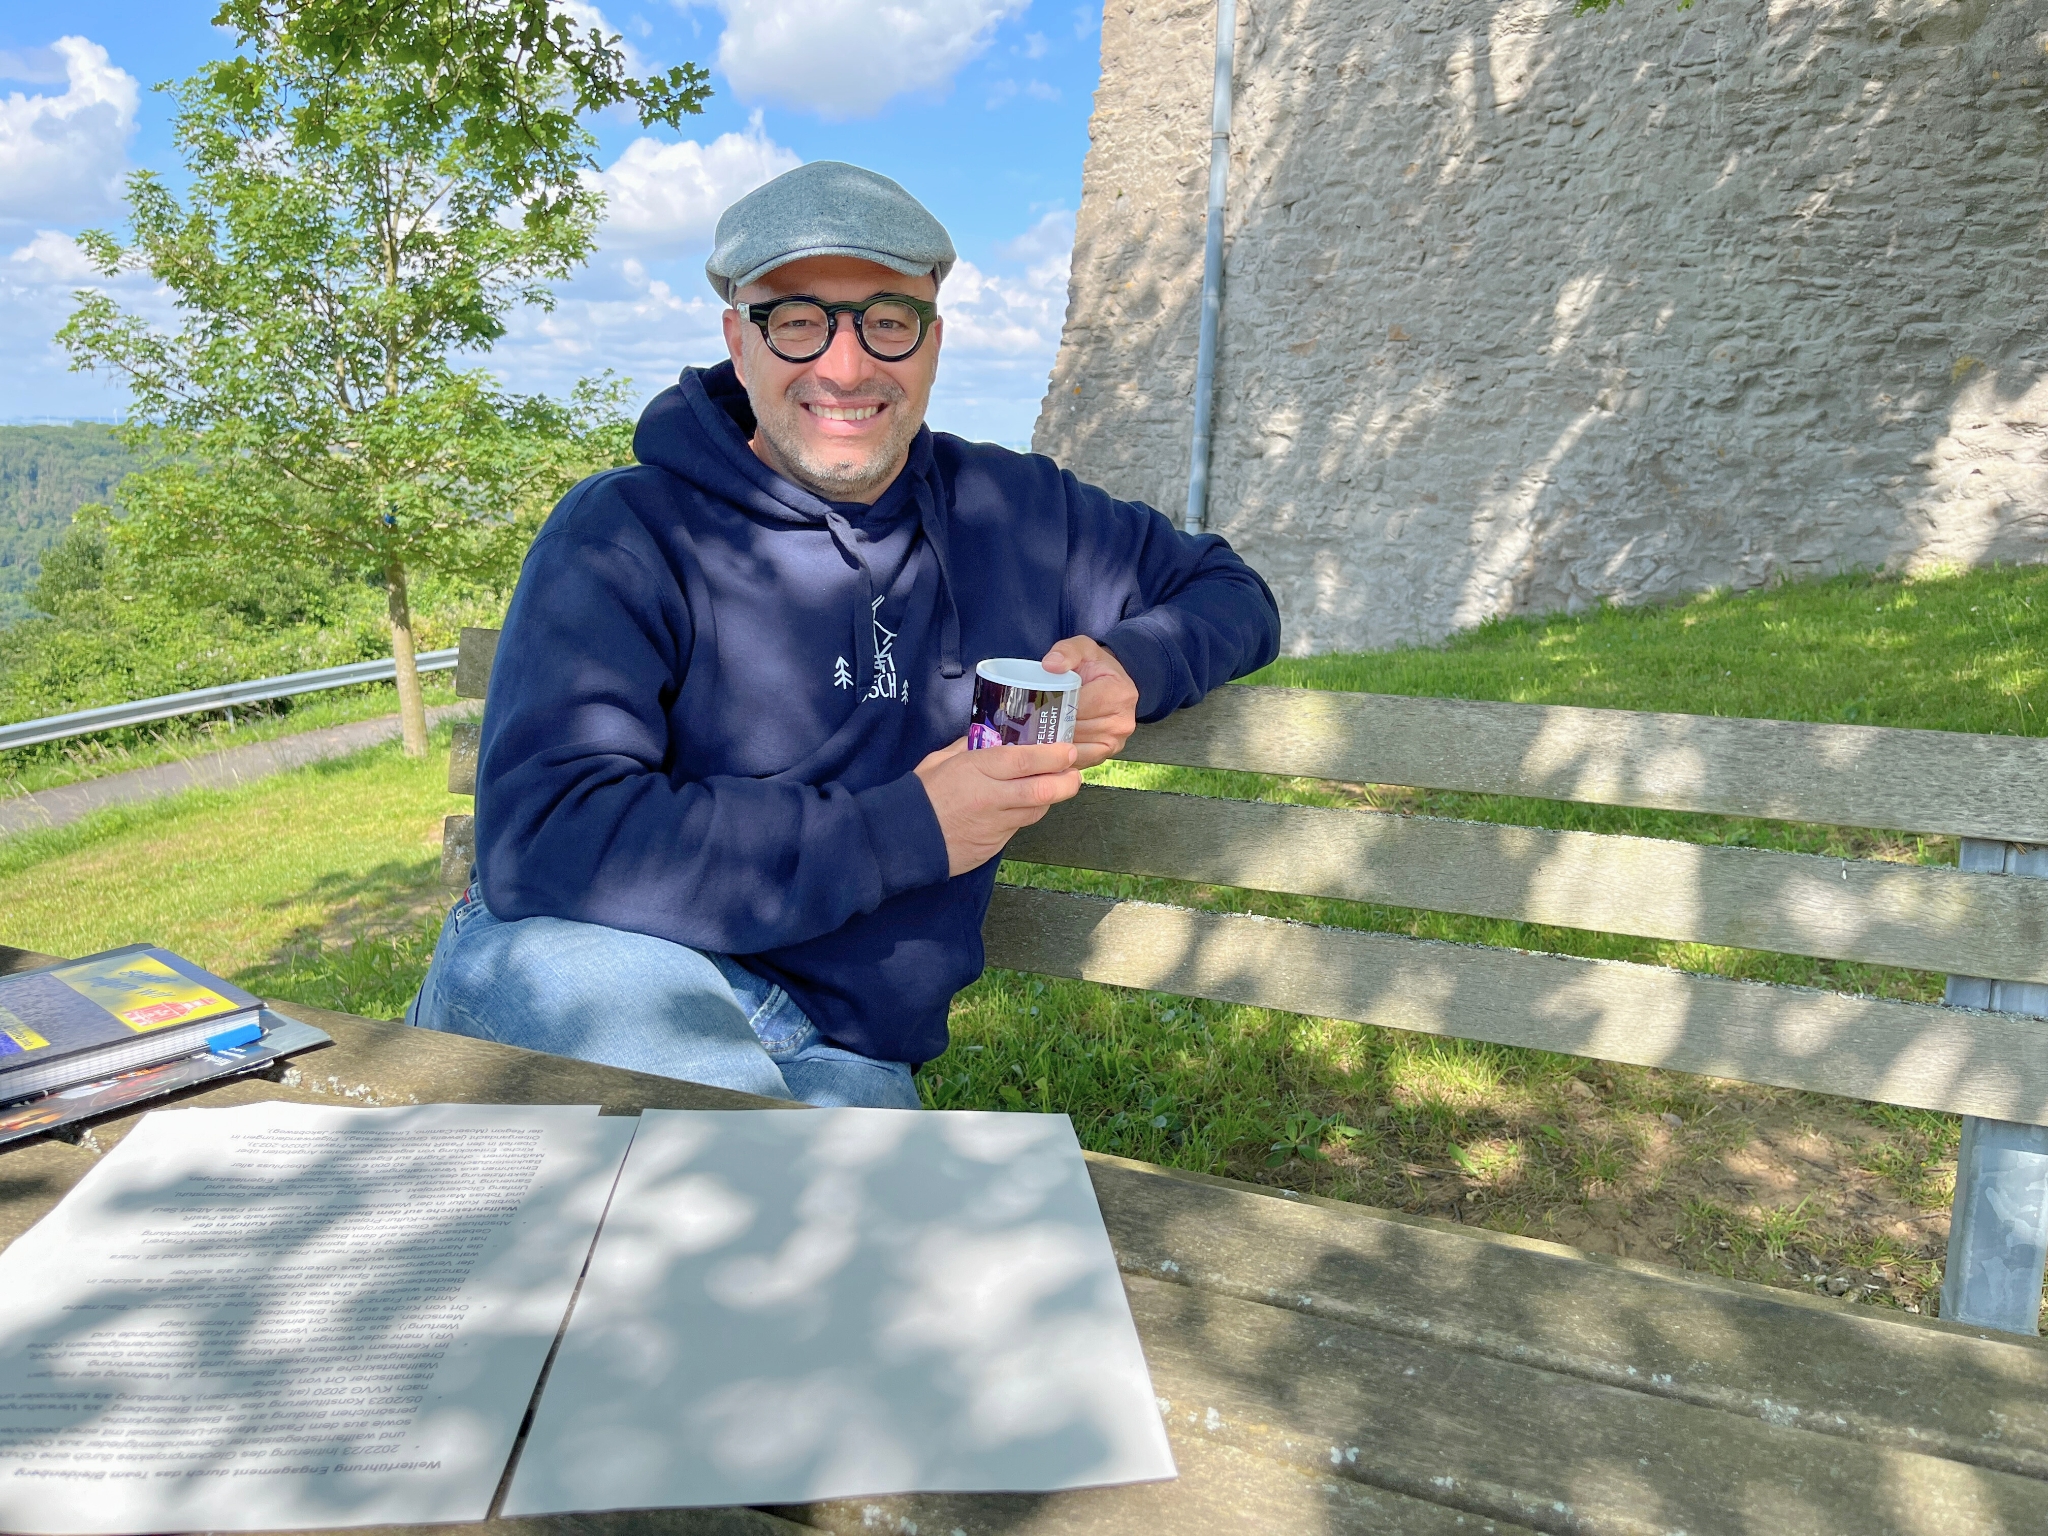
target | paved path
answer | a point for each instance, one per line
(216, 770)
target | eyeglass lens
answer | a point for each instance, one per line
(800, 331)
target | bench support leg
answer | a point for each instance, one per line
(1998, 1233)
(1998, 1229)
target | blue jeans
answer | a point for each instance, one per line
(631, 1000)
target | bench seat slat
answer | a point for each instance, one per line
(1913, 1054)
(1784, 1357)
(1886, 914)
(1837, 775)
(1507, 1440)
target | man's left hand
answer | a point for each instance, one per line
(1109, 699)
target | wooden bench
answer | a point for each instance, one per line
(1969, 1056)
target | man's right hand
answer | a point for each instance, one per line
(981, 798)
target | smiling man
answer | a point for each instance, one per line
(727, 828)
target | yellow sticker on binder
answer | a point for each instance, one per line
(144, 993)
(24, 1038)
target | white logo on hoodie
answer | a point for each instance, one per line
(885, 685)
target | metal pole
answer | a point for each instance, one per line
(1212, 267)
(1998, 1231)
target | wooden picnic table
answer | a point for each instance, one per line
(1328, 1368)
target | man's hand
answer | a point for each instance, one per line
(1109, 699)
(982, 797)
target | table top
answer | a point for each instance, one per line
(1328, 1368)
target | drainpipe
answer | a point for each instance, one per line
(1212, 269)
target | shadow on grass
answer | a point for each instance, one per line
(1635, 1161)
(371, 948)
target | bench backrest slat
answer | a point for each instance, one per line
(479, 648)
(1837, 775)
(1915, 1054)
(1887, 914)
(462, 750)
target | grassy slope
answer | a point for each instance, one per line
(270, 884)
(319, 886)
(1948, 653)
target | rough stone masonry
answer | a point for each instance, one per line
(1524, 310)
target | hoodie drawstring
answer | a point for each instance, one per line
(932, 520)
(933, 523)
(864, 621)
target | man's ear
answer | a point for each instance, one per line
(735, 337)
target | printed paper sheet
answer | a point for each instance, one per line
(785, 1307)
(282, 1315)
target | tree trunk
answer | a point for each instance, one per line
(412, 704)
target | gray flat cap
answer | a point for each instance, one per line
(826, 208)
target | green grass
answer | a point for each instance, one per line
(319, 886)
(1947, 652)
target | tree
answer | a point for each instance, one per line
(375, 185)
(46, 474)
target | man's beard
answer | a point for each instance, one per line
(837, 473)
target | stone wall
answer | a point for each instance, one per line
(1523, 310)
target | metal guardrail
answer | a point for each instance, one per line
(84, 722)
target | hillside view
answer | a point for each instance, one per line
(46, 474)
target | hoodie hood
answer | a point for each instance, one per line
(701, 428)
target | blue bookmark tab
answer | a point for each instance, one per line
(228, 1039)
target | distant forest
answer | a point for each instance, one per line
(46, 474)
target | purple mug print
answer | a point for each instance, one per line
(1018, 702)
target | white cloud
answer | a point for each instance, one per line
(667, 197)
(847, 58)
(987, 315)
(1013, 315)
(642, 319)
(1046, 247)
(37, 281)
(1002, 330)
(62, 156)
(52, 257)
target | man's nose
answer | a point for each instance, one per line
(843, 360)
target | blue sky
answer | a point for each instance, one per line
(984, 115)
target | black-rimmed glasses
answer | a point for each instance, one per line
(798, 329)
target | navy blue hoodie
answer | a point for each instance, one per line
(712, 688)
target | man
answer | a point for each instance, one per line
(727, 829)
